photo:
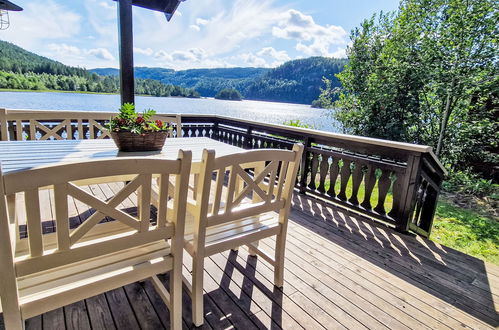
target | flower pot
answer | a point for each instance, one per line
(149, 141)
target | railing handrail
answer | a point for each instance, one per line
(300, 131)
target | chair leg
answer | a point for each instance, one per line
(279, 260)
(251, 250)
(197, 291)
(176, 296)
(13, 320)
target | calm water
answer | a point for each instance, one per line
(266, 112)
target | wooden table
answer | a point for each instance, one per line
(23, 155)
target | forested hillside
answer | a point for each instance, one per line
(20, 69)
(208, 82)
(297, 81)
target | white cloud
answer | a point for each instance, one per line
(280, 56)
(179, 55)
(163, 56)
(42, 21)
(146, 51)
(253, 60)
(107, 5)
(340, 53)
(192, 55)
(64, 49)
(201, 21)
(313, 39)
(75, 56)
(195, 27)
(225, 28)
(101, 53)
(101, 21)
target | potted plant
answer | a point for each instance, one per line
(132, 131)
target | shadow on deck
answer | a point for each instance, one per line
(341, 272)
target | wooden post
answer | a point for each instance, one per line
(3, 125)
(216, 134)
(127, 84)
(409, 192)
(248, 138)
(304, 165)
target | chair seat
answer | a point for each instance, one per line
(232, 234)
(85, 279)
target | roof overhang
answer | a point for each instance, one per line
(167, 7)
(7, 5)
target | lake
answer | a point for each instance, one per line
(265, 112)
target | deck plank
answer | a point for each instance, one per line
(213, 315)
(262, 277)
(76, 316)
(34, 323)
(233, 312)
(99, 313)
(121, 310)
(367, 287)
(244, 280)
(372, 313)
(54, 320)
(342, 271)
(143, 309)
(356, 246)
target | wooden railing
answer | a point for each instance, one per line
(52, 124)
(397, 183)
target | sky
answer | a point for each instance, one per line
(201, 34)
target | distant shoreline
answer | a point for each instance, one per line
(145, 95)
(83, 92)
(55, 91)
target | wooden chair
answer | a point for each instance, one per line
(256, 205)
(18, 125)
(174, 120)
(46, 271)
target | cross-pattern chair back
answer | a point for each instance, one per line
(39, 252)
(64, 125)
(264, 177)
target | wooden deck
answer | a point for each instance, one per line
(341, 272)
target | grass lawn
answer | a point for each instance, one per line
(466, 230)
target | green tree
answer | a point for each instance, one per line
(229, 94)
(417, 75)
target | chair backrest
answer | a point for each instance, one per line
(245, 184)
(92, 238)
(174, 120)
(64, 125)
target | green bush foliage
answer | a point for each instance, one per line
(229, 94)
(427, 74)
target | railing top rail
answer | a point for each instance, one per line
(339, 136)
(298, 131)
(24, 114)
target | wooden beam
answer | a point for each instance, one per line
(127, 84)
